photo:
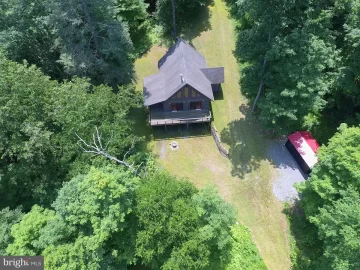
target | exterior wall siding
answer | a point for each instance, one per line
(185, 96)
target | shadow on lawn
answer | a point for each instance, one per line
(181, 131)
(249, 147)
(188, 27)
(199, 23)
(306, 248)
(246, 150)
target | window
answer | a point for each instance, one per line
(193, 93)
(178, 95)
(175, 107)
(186, 91)
(197, 105)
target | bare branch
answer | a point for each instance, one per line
(130, 149)
(97, 147)
(98, 150)
(99, 137)
(82, 141)
(106, 146)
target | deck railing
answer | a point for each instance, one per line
(173, 118)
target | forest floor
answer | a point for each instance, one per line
(246, 180)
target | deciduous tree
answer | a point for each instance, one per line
(180, 228)
(7, 219)
(134, 13)
(92, 42)
(39, 118)
(339, 227)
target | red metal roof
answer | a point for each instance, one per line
(306, 146)
(309, 139)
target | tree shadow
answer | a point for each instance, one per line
(246, 149)
(306, 247)
(181, 131)
(141, 128)
(280, 157)
(249, 146)
(198, 24)
(187, 27)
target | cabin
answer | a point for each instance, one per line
(182, 90)
(303, 147)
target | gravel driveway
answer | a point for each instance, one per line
(288, 172)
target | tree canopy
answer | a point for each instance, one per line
(134, 14)
(180, 228)
(188, 15)
(66, 38)
(7, 219)
(330, 199)
(304, 52)
(39, 118)
(92, 42)
(108, 218)
(338, 168)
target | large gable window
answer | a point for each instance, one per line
(186, 91)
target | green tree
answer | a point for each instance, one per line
(216, 217)
(180, 228)
(344, 103)
(166, 218)
(330, 199)
(244, 253)
(186, 13)
(339, 227)
(39, 118)
(98, 205)
(85, 253)
(29, 168)
(134, 13)
(297, 83)
(27, 232)
(289, 46)
(79, 107)
(7, 219)
(338, 168)
(25, 33)
(93, 225)
(92, 42)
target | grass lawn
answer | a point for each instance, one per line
(246, 179)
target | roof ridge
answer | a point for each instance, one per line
(184, 64)
(180, 39)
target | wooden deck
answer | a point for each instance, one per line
(176, 118)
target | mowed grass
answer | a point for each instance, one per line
(246, 179)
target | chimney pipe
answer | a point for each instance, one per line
(182, 78)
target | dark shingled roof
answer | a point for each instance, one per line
(181, 59)
(214, 75)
